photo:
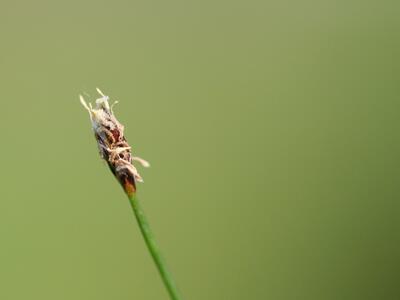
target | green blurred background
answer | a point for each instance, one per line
(273, 132)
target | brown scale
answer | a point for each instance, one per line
(110, 141)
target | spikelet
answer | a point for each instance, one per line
(113, 147)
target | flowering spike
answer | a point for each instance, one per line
(113, 147)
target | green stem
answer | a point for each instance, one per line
(153, 248)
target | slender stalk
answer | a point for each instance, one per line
(115, 150)
(153, 248)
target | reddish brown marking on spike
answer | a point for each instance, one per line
(129, 188)
(116, 134)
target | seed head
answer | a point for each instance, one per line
(113, 147)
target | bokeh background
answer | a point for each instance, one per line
(273, 132)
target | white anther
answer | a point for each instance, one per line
(143, 162)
